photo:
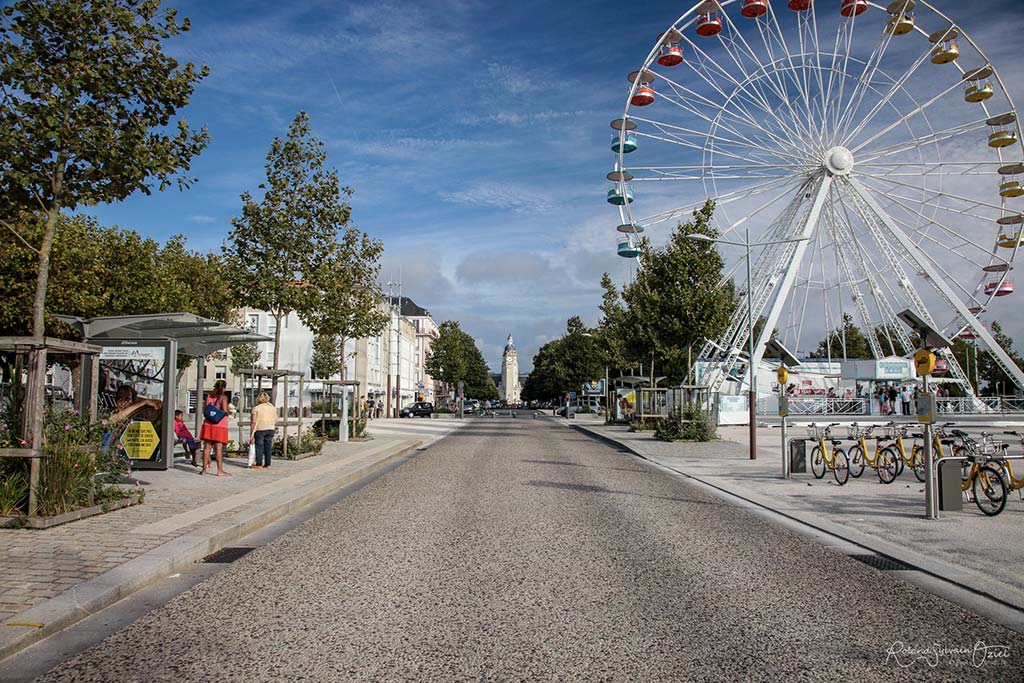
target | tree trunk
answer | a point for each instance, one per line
(277, 352)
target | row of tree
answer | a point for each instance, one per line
(89, 104)
(454, 357)
(676, 301)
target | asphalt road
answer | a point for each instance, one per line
(520, 550)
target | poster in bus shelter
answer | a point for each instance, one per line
(131, 388)
(625, 404)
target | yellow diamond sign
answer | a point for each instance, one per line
(140, 440)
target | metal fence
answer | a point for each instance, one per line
(825, 405)
(984, 405)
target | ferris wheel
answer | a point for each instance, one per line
(871, 150)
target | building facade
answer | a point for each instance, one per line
(510, 388)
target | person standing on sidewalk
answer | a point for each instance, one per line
(262, 427)
(905, 399)
(215, 434)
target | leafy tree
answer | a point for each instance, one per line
(612, 332)
(889, 341)
(86, 95)
(244, 357)
(328, 355)
(447, 360)
(345, 292)
(676, 300)
(87, 106)
(565, 364)
(454, 357)
(993, 376)
(845, 341)
(280, 249)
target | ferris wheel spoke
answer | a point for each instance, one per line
(724, 200)
(679, 133)
(763, 105)
(917, 111)
(782, 76)
(863, 81)
(700, 172)
(929, 196)
(895, 87)
(930, 138)
(684, 95)
(928, 168)
(737, 36)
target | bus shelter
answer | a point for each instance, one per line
(138, 363)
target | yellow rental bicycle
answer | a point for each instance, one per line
(986, 475)
(823, 458)
(883, 461)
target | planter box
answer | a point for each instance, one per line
(41, 522)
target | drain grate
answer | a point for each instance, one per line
(227, 555)
(883, 563)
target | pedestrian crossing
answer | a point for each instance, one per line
(427, 430)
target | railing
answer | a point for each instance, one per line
(824, 405)
(968, 405)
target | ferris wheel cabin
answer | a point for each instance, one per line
(946, 49)
(902, 20)
(709, 25)
(1010, 185)
(800, 5)
(752, 9)
(620, 193)
(999, 287)
(1003, 134)
(978, 88)
(853, 8)
(625, 247)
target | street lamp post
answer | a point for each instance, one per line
(752, 382)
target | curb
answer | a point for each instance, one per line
(965, 579)
(101, 591)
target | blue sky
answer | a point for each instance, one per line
(475, 135)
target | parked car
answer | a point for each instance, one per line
(418, 409)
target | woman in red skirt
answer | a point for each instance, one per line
(215, 435)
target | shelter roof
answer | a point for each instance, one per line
(196, 335)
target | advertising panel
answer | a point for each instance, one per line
(132, 387)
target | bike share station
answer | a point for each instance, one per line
(141, 352)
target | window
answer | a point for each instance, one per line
(220, 372)
(254, 322)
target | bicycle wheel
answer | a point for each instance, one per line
(841, 466)
(856, 461)
(887, 468)
(965, 465)
(990, 490)
(817, 463)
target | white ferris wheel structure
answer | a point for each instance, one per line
(872, 149)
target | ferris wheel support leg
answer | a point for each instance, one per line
(939, 281)
(791, 271)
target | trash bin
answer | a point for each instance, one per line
(797, 456)
(950, 487)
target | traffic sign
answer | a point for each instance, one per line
(572, 394)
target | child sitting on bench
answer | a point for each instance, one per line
(184, 436)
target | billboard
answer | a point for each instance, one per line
(132, 382)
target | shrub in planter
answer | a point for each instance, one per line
(668, 429)
(697, 424)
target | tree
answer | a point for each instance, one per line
(845, 341)
(447, 360)
(889, 341)
(244, 357)
(328, 356)
(345, 298)
(454, 357)
(87, 96)
(565, 364)
(996, 380)
(282, 240)
(612, 333)
(677, 299)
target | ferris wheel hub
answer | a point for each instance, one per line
(838, 161)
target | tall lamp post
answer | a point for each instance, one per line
(752, 384)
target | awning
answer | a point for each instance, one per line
(195, 335)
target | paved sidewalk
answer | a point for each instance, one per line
(51, 578)
(968, 548)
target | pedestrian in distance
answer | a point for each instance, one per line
(905, 397)
(262, 427)
(215, 434)
(892, 396)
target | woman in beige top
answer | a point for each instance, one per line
(262, 428)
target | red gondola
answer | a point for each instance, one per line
(752, 9)
(853, 8)
(671, 55)
(644, 95)
(709, 25)
(800, 5)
